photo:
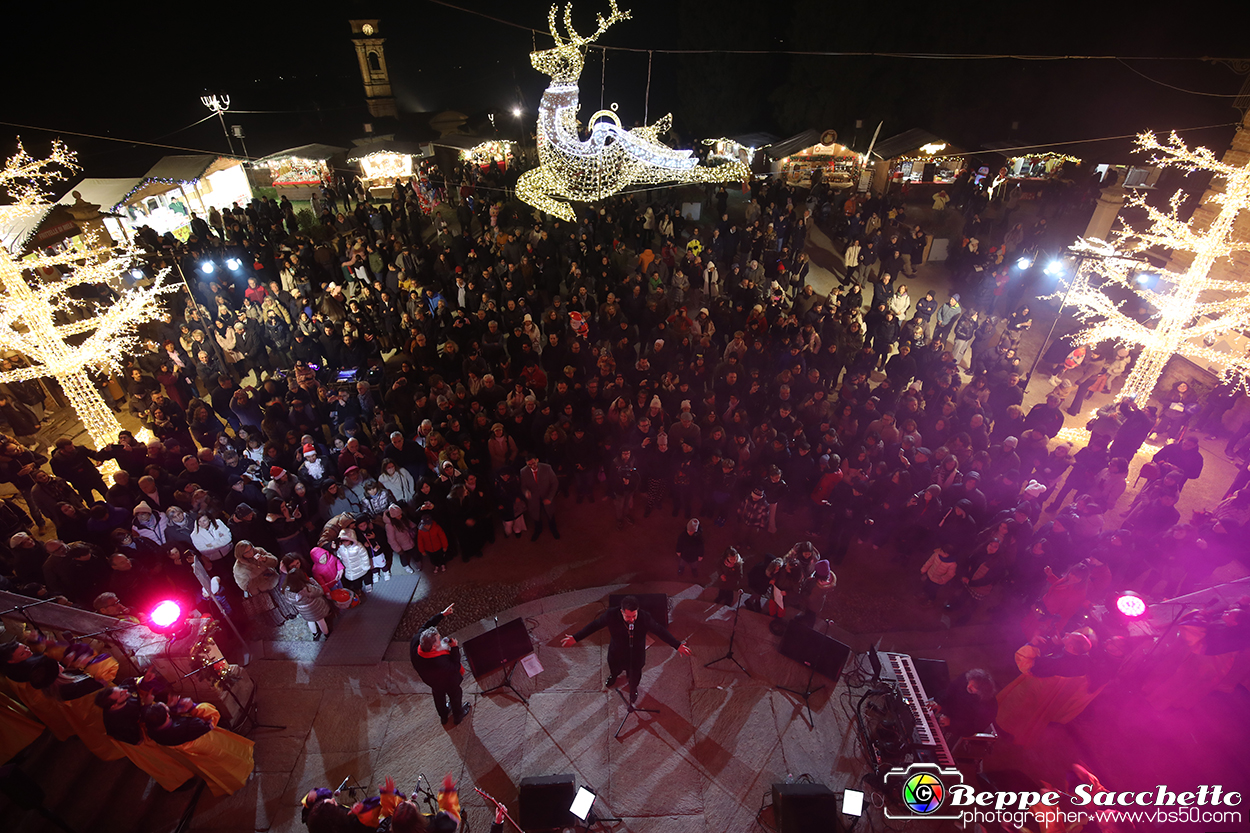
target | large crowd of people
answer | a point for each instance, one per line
(398, 385)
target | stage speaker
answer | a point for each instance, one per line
(934, 676)
(815, 650)
(545, 801)
(805, 808)
(654, 603)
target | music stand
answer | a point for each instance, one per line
(819, 653)
(500, 647)
(729, 654)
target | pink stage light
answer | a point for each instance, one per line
(1131, 605)
(166, 614)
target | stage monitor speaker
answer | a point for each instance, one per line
(654, 603)
(815, 650)
(545, 801)
(805, 808)
(934, 675)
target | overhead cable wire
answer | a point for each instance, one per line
(116, 139)
(930, 56)
(1174, 87)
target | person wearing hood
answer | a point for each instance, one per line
(256, 573)
(309, 600)
(326, 568)
(401, 534)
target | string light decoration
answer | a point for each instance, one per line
(612, 158)
(1187, 305)
(38, 318)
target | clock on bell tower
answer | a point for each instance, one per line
(367, 36)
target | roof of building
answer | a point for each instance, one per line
(313, 151)
(384, 146)
(792, 145)
(187, 168)
(908, 140)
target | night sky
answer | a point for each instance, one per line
(137, 70)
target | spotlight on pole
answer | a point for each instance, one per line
(233, 264)
(516, 111)
(137, 274)
(1024, 262)
(165, 615)
(1054, 268)
(207, 267)
(1130, 605)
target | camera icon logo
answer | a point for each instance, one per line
(921, 791)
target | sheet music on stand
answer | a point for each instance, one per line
(531, 665)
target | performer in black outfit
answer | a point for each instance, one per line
(628, 628)
(437, 661)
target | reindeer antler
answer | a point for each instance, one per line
(551, 24)
(577, 40)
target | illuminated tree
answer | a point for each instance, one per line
(62, 335)
(1190, 306)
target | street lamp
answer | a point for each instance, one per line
(219, 104)
(1054, 269)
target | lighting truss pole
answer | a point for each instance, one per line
(219, 104)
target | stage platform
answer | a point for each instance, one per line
(704, 763)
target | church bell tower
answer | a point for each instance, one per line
(367, 36)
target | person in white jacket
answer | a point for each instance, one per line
(211, 536)
(851, 258)
(399, 482)
(900, 304)
(357, 565)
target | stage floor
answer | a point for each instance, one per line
(705, 762)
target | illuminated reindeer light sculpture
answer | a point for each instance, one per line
(612, 158)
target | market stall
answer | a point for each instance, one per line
(479, 151)
(384, 161)
(295, 172)
(1038, 166)
(917, 161)
(746, 149)
(176, 186)
(809, 158)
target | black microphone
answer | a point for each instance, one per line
(631, 632)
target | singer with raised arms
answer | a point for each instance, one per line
(627, 647)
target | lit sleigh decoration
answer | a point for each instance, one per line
(575, 170)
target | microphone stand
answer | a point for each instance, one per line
(21, 610)
(630, 708)
(729, 655)
(427, 794)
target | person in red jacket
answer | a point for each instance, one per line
(432, 543)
